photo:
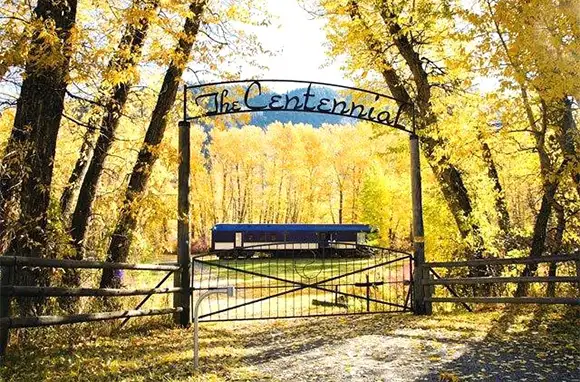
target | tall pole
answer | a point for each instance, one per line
(420, 272)
(183, 234)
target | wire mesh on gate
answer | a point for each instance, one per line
(286, 280)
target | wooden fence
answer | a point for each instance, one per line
(10, 264)
(435, 279)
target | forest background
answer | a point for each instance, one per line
(90, 106)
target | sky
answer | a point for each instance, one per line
(299, 41)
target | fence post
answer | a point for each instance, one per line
(420, 272)
(183, 235)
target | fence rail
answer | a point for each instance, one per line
(507, 261)
(448, 282)
(20, 261)
(494, 280)
(11, 264)
(32, 291)
(509, 300)
(30, 322)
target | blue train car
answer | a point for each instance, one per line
(244, 240)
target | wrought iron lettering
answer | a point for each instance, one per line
(251, 96)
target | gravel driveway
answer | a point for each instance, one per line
(509, 346)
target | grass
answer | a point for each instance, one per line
(308, 268)
(152, 350)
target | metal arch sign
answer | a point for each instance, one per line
(252, 96)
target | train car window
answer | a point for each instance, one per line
(273, 237)
(322, 236)
(250, 237)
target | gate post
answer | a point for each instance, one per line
(183, 235)
(420, 272)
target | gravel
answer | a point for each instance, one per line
(366, 350)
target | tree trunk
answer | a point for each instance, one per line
(450, 179)
(127, 56)
(279, 200)
(340, 204)
(12, 171)
(551, 178)
(78, 173)
(33, 106)
(38, 114)
(455, 194)
(569, 140)
(121, 240)
(556, 248)
(539, 239)
(503, 217)
(448, 176)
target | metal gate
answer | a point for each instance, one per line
(288, 280)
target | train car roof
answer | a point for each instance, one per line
(231, 227)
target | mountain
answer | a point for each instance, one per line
(263, 119)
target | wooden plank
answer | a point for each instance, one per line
(493, 261)
(32, 291)
(32, 322)
(62, 263)
(510, 300)
(492, 280)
